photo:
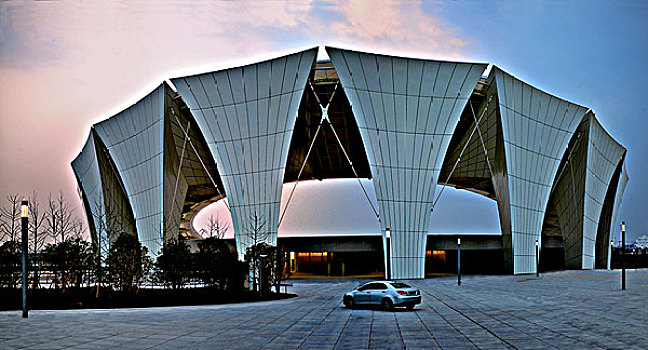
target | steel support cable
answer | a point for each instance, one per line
(344, 150)
(324, 116)
(354, 171)
(454, 167)
(184, 146)
(299, 174)
(200, 159)
(481, 138)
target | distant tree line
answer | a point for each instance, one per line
(65, 261)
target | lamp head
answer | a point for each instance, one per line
(24, 209)
(387, 233)
(623, 226)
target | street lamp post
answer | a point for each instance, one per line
(623, 255)
(458, 261)
(388, 239)
(537, 259)
(24, 217)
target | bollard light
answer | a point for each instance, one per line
(388, 248)
(458, 261)
(623, 274)
(537, 259)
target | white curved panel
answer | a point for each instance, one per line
(247, 115)
(134, 139)
(405, 144)
(529, 116)
(603, 157)
(86, 168)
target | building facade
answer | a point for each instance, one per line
(406, 124)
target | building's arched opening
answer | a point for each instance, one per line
(603, 239)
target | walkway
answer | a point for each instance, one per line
(561, 310)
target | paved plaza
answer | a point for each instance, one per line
(560, 310)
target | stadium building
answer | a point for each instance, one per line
(290, 147)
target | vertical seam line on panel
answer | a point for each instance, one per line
(369, 108)
(389, 205)
(252, 190)
(380, 180)
(528, 187)
(162, 111)
(420, 213)
(274, 150)
(432, 185)
(240, 168)
(403, 184)
(267, 124)
(233, 193)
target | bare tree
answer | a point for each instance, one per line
(256, 233)
(10, 219)
(36, 221)
(215, 228)
(60, 219)
(107, 223)
(77, 229)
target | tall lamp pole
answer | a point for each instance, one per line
(458, 261)
(388, 239)
(622, 255)
(24, 217)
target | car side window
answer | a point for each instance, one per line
(373, 286)
(365, 287)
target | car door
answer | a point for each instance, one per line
(378, 292)
(364, 294)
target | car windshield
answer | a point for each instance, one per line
(400, 285)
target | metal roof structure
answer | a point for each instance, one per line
(405, 124)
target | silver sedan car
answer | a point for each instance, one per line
(387, 294)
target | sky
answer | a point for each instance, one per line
(67, 65)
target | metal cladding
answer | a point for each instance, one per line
(554, 171)
(406, 110)
(536, 128)
(591, 162)
(247, 115)
(86, 169)
(134, 139)
(604, 155)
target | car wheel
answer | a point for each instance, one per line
(348, 302)
(409, 306)
(387, 304)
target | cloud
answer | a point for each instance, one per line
(391, 27)
(68, 65)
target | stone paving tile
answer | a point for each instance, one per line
(560, 310)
